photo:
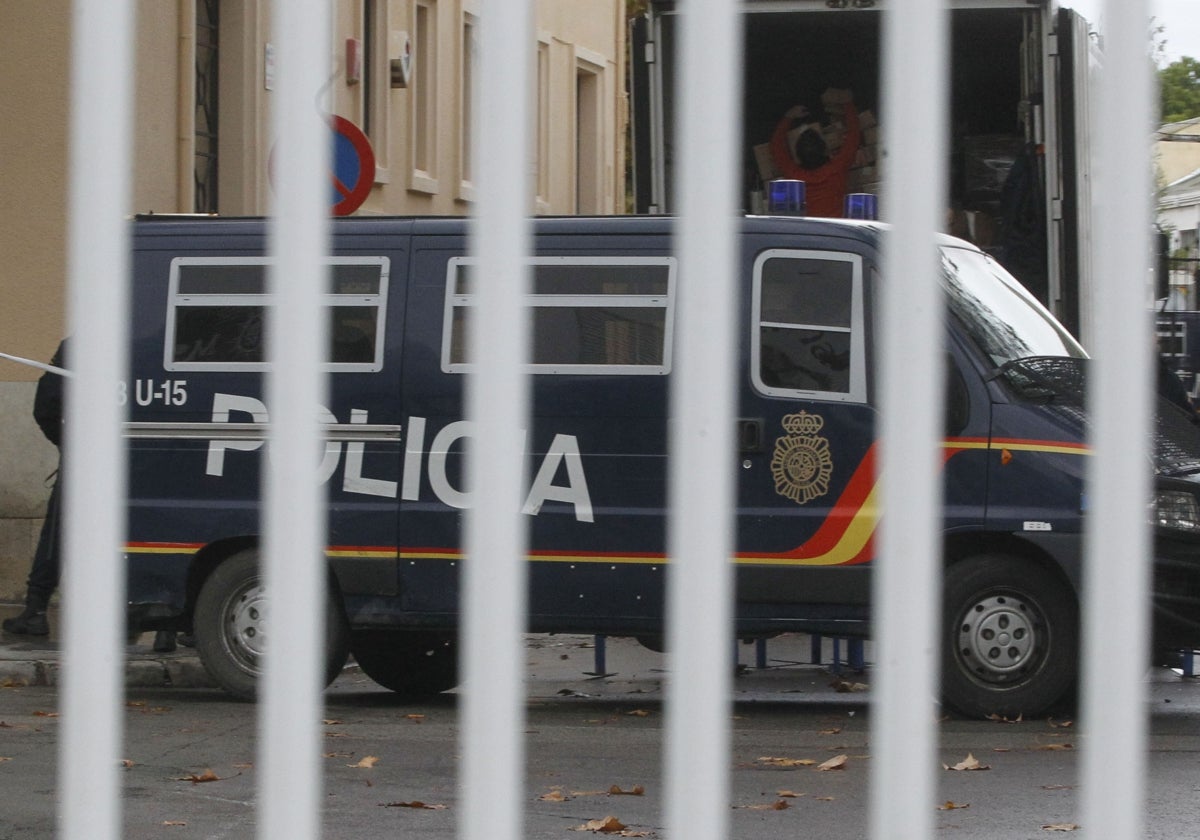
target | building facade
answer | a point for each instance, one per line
(401, 70)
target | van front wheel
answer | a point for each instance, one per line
(1011, 637)
(230, 626)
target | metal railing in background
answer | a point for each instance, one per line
(1116, 616)
(294, 573)
(93, 581)
(907, 577)
(903, 732)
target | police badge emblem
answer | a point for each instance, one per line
(802, 463)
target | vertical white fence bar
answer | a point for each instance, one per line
(495, 572)
(702, 448)
(908, 574)
(93, 583)
(297, 333)
(1117, 572)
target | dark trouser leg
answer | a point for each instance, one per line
(44, 572)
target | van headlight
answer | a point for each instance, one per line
(1177, 509)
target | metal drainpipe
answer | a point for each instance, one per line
(185, 113)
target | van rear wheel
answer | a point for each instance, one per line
(230, 627)
(1011, 637)
(412, 663)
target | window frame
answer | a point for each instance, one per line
(857, 392)
(176, 299)
(455, 301)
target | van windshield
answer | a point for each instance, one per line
(1004, 320)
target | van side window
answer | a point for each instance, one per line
(808, 331)
(596, 315)
(216, 311)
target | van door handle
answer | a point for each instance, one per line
(749, 434)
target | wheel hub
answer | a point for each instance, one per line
(998, 638)
(245, 625)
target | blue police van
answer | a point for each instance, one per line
(603, 315)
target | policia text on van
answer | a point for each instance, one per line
(602, 306)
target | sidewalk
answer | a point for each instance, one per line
(569, 663)
(36, 661)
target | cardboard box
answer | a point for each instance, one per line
(766, 166)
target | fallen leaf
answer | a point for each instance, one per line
(415, 718)
(127, 762)
(174, 822)
(589, 793)
(5, 758)
(1060, 827)
(968, 763)
(846, 687)
(608, 825)
(553, 796)
(999, 719)
(416, 803)
(838, 762)
(773, 761)
(824, 798)
(206, 776)
(788, 794)
(831, 731)
(1058, 787)
(14, 682)
(45, 714)
(367, 761)
(1053, 747)
(336, 755)
(777, 805)
(245, 765)
(638, 713)
(331, 722)
(952, 806)
(1066, 724)
(636, 790)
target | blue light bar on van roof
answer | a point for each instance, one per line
(786, 197)
(861, 206)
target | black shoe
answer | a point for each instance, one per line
(29, 623)
(164, 641)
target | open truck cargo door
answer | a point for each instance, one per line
(1077, 55)
(1018, 167)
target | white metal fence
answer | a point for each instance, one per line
(700, 603)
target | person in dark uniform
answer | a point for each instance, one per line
(44, 571)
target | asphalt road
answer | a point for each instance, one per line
(594, 751)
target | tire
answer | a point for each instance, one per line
(1011, 638)
(412, 663)
(230, 624)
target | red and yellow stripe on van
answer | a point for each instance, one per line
(845, 537)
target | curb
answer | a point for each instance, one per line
(42, 668)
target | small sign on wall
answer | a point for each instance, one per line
(269, 66)
(400, 58)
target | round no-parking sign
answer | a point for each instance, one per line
(353, 167)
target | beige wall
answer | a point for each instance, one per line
(1176, 159)
(33, 152)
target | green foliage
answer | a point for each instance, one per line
(1180, 90)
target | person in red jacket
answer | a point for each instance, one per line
(824, 176)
